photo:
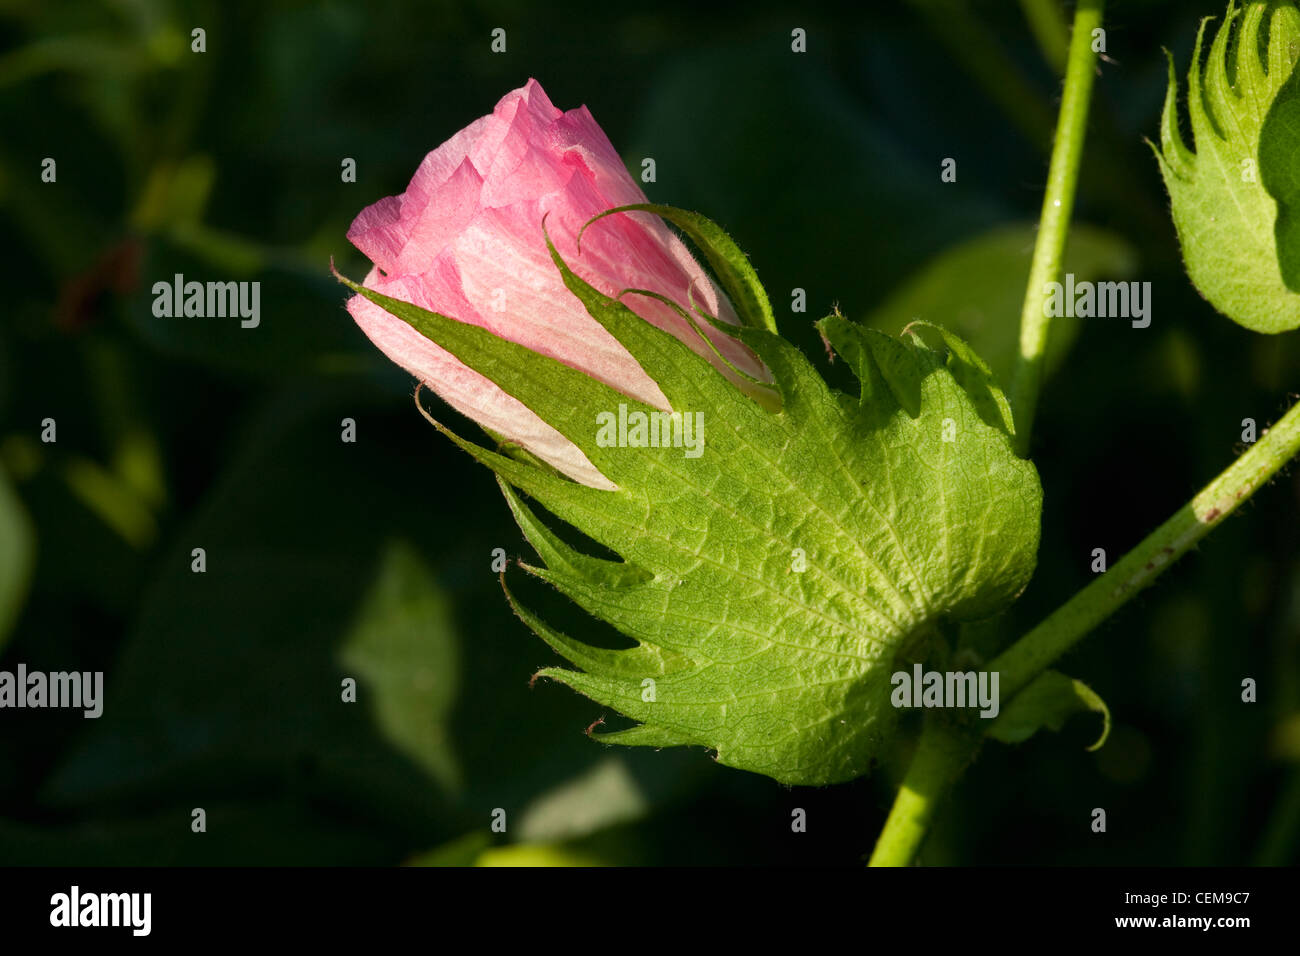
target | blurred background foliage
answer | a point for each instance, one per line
(373, 560)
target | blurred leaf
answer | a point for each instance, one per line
(404, 646)
(976, 289)
(112, 500)
(462, 851)
(225, 252)
(86, 53)
(122, 402)
(17, 555)
(604, 795)
(1285, 743)
(79, 532)
(175, 193)
(229, 681)
(228, 685)
(1048, 702)
(539, 854)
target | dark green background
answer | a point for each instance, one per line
(372, 559)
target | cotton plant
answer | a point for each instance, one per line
(785, 554)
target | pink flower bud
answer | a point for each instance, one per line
(466, 240)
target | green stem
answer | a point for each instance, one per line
(1030, 655)
(1054, 222)
(941, 754)
(940, 760)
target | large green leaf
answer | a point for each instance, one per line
(769, 583)
(1225, 196)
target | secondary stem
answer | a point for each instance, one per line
(1030, 655)
(938, 762)
(1054, 222)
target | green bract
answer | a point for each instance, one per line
(1048, 702)
(1234, 198)
(772, 584)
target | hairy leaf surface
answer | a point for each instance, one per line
(1234, 196)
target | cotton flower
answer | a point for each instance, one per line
(466, 240)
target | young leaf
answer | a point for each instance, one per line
(770, 580)
(1048, 702)
(1225, 194)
